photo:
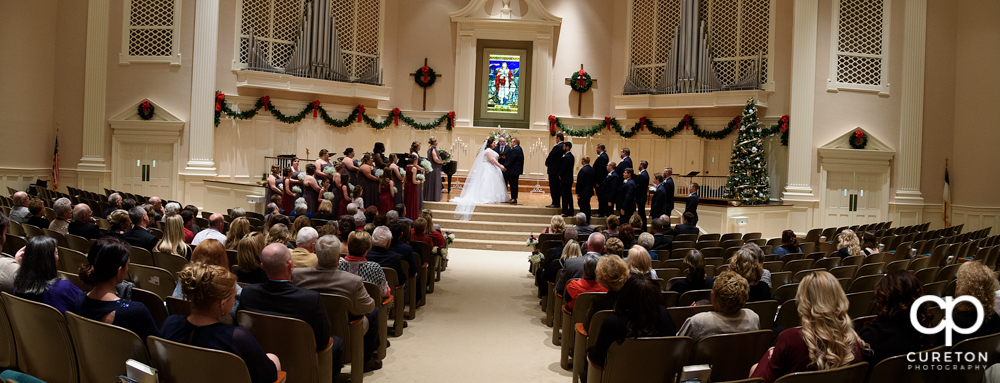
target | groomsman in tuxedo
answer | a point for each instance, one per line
(609, 189)
(626, 196)
(585, 182)
(566, 180)
(514, 164)
(658, 205)
(641, 190)
(692, 203)
(625, 164)
(600, 171)
(668, 183)
(552, 164)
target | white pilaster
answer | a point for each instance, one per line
(465, 62)
(912, 103)
(201, 127)
(800, 147)
(92, 167)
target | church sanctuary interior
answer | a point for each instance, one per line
(573, 191)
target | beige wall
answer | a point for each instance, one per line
(939, 98)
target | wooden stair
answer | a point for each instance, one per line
(496, 226)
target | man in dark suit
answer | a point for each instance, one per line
(114, 202)
(278, 296)
(515, 167)
(657, 206)
(83, 223)
(585, 186)
(641, 191)
(625, 164)
(566, 179)
(660, 240)
(380, 253)
(626, 196)
(692, 202)
(502, 149)
(609, 189)
(552, 164)
(668, 182)
(685, 228)
(139, 235)
(600, 171)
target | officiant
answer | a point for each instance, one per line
(513, 161)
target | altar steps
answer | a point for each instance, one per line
(496, 226)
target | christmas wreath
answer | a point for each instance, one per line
(424, 76)
(580, 81)
(859, 140)
(145, 110)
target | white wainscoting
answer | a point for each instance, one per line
(976, 217)
(21, 178)
(220, 196)
(770, 220)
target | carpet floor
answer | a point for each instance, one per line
(482, 323)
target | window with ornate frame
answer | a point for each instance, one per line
(738, 30)
(151, 32)
(276, 25)
(859, 46)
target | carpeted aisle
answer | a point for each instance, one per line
(482, 323)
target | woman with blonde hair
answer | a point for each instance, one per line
(978, 281)
(745, 264)
(636, 222)
(278, 233)
(639, 262)
(556, 225)
(248, 259)
(325, 211)
(212, 292)
(614, 246)
(173, 237)
(237, 229)
(210, 252)
(299, 223)
(850, 245)
(825, 341)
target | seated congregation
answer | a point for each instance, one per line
(625, 306)
(220, 278)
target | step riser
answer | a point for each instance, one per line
(440, 216)
(495, 246)
(492, 235)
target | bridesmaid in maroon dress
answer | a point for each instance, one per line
(386, 192)
(412, 191)
(287, 196)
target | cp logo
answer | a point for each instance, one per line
(947, 304)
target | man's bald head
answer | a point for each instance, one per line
(276, 261)
(156, 202)
(217, 221)
(595, 243)
(81, 212)
(20, 199)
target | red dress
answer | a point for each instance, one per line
(411, 197)
(287, 197)
(344, 201)
(385, 199)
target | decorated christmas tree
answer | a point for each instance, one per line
(748, 181)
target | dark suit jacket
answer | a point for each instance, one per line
(554, 161)
(585, 182)
(641, 186)
(566, 169)
(84, 229)
(683, 229)
(624, 164)
(669, 207)
(626, 196)
(601, 166)
(610, 186)
(406, 251)
(141, 237)
(662, 242)
(390, 259)
(514, 162)
(285, 299)
(692, 205)
(658, 206)
(502, 154)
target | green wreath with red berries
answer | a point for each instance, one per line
(858, 140)
(580, 81)
(145, 110)
(424, 76)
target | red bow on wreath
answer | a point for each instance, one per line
(361, 112)
(395, 116)
(265, 100)
(687, 120)
(315, 105)
(607, 122)
(219, 99)
(145, 106)
(425, 69)
(451, 118)
(859, 135)
(737, 120)
(783, 122)
(552, 123)
(580, 78)
(642, 123)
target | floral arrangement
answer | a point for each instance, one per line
(402, 174)
(532, 242)
(302, 176)
(394, 190)
(424, 163)
(445, 155)
(420, 178)
(328, 196)
(378, 173)
(449, 238)
(329, 170)
(536, 257)
(350, 187)
(296, 189)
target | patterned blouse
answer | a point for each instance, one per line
(370, 272)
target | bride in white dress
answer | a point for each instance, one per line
(483, 185)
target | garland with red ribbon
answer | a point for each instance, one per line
(424, 76)
(610, 123)
(145, 110)
(552, 124)
(858, 140)
(581, 81)
(357, 115)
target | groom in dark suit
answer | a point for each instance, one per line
(585, 186)
(515, 167)
(553, 163)
(566, 180)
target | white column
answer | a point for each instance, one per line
(541, 86)
(912, 104)
(465, 76)
(201, 126)
(92, 163)
(800, 146)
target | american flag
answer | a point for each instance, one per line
(55, 165)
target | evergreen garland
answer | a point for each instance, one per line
(357, 115)
(611, 123)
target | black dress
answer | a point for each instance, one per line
(370, 192)
(432, 184)
(130, 315)
(223, 337)
(398, 184)
(615, 329)
(256, 276)
(686, 285)
(894, 337)
(759, 292)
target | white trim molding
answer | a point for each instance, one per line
(277, 81)
(720, 99)
(163, 128)
(174, 58)
(834, 83)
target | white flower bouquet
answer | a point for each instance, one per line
(536, 257)
(378, 173)
(532, 242)
(329, 170)
(448, 239)
(328, 196)
(426, 165)
(302, 176)
(420, 177)
(296, 189)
